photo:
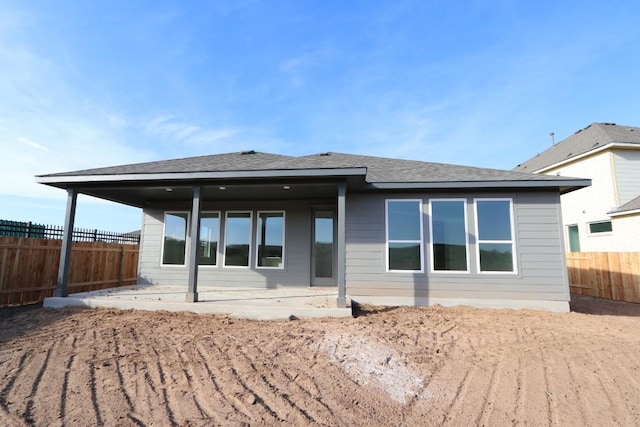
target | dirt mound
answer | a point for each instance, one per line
(410, 366)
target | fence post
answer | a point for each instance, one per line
(121, 269)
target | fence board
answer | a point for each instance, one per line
(29, 267)
(609, 275)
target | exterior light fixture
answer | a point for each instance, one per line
(222, 188)
(286, 187)
(168, 190)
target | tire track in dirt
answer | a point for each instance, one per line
(179, 378)
(586, 415)
(552, 418)
(453, 409)
(521, 390)
(308, 401)
(194, 371)
(92, 382)
(279, 389)
(105, 365)
(254, 397)
(6, 416)
(221, 388)
(615, 386)
(159, 386)
(65, 382)
(28, 412)
(489, 398)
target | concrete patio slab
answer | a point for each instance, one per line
(248, 303)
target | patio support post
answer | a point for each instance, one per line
(342, 246)
(194, 246)
(62, 288)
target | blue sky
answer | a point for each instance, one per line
(483, 83)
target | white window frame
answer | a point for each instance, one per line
(513, 235)
(186, 239)
(387, 241)
(466, 237)
(602, 233)
(226, 229)
(284, 226)
(217, 239)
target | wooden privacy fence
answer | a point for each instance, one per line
(610, 275)
(29, 267)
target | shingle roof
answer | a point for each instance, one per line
(594, 136)
(379, 169)
(633, 205)
(246, 160)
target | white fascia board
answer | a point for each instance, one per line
(622, 213)
(587, 154)
(189, 176)
(479, 184)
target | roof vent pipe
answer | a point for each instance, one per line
(248, 152)
(553, 138)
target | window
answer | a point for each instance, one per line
(209, 231)
(495, 235)
(600, 227)
(237, 242)
(574, 238)
(175, 238)
(270, 240)
(449, 235)
(404, 235)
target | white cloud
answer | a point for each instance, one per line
(29, 143)
(168, 128)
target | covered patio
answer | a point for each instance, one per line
(247, 303)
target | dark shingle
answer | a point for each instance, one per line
(379, 169)
(211, 163)
(633, 205)
(592, 137)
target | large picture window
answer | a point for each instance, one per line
(270, 240)
(209, 232)
(404, 235)
(237, 242)
(175, 238)
(495, 235)
(449, 235)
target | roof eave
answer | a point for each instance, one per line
(565, 186)
(587, 154)
(70, 180)
(622, 213)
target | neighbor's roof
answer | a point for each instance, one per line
(378, 172)
(593, 137)
(633, 205)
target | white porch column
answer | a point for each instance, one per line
(342, 246)
(62, 288)
(194, 246)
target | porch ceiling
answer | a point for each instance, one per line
(168, 192)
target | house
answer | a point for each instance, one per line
(384, 231)
(604, 217)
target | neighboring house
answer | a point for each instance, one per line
(604, 217)
(384, 231)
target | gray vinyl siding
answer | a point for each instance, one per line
(296, 270)
(540, 264)
(627, 174)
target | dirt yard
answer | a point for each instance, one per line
(396, 366)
